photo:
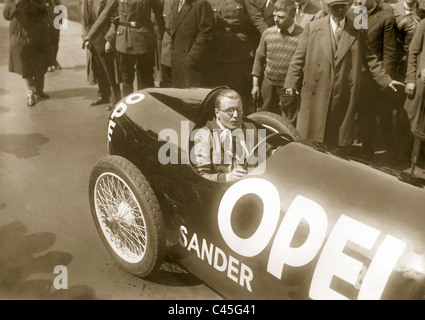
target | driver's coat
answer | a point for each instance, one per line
(212, 157)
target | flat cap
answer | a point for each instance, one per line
(332, 2)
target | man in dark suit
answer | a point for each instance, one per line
(385, 6)
(326, 67)
(191, 37)
(261, 15)
(232, 49)
(382, 41)
(100, 65)
(305, 12)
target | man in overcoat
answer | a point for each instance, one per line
(382, 40)
(326, 69)
(191, 38)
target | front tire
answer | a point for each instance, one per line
(127, 215)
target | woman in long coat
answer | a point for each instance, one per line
(29, 44)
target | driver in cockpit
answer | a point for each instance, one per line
(224, 145)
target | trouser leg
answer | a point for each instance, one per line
(369, 100)
(126, 63)
(29, 85)
(101, 77)
(127, 88)
(145, 70)
(289, 105)
(270, 97)
(166, 76)
(39, 83)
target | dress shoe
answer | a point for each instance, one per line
(99, 102)
(58, 66)
(51, 68)
(31, 100)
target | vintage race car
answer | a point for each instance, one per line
(310, 222)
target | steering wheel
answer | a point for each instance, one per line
(282, 135)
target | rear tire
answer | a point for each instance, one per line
(275, 123)
(127, 215)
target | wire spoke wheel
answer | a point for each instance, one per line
(120, 217)
(127, 215)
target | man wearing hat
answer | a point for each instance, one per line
(326, 69)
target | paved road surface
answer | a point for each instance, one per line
(46, 155)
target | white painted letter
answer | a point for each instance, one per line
(281, 252)
(258, 241)
(380, 268)
(333, 262)
(183, 239)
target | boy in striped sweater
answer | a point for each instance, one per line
(272, 59)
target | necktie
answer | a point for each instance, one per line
(234, 146)
(338, 31)
(181, 3)
(297, 13)
(233, 151)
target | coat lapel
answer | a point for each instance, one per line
(324, 36)
(179, 16)
(349, 35)
(373, 18)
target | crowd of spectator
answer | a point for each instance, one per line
(342, 72)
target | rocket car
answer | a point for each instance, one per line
(310, 222)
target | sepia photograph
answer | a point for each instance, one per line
(212, 155)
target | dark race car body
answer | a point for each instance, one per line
(309, 223)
